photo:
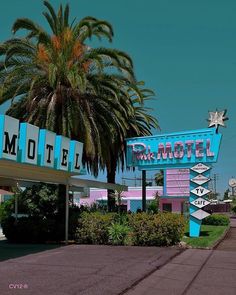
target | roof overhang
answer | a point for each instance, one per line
(14, 173)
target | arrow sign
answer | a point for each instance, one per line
(200, 168)
(200, 202)
(200, 179)
(200, 214)
(200, 191)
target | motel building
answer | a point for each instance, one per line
(173, 195)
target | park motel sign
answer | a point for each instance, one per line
(195, 150)
(26, 143)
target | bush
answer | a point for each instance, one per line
(216, 219)
(153, 207)
(140, 229)
(233, 209)
(119, 234)
(163, 229)
(33, 230)
(93, 228)
(46, 216)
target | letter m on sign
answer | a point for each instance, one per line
(9, 130)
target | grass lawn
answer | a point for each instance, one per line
(208, 236)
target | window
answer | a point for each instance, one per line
(167, 207)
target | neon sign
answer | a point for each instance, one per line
(171, 149)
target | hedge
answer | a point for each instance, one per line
(32, 229)
(163, 229)
(141, 229)
(216, 219)
(93, 227)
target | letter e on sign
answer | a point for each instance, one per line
(62, 152)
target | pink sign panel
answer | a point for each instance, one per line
(177, 182)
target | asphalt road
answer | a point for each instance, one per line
(81, 269)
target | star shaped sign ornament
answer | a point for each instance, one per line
(217, 119)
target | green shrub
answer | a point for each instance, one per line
(140, 229)
(233, 209)
(161, 229)
(153, 207)
(119, 234)
(93, 227)
(216, 219)
(27, 229)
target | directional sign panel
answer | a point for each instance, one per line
(200, 202)
(200, 191)
(200, 168)
(200, 179)
(200, 214)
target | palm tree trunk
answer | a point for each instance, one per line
(111, 178)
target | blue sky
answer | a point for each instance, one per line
(184, 50)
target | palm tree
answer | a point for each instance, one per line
(141, 124)
(66, 86)
(56, 81)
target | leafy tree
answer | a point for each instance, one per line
(226, 194)
(64, 85)
(159, 178)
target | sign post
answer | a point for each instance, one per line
(144, 190)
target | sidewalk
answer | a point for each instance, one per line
(195, 272)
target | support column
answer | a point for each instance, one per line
(144, 190)
(16, 207)
(67, 215)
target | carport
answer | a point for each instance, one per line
(24, 175)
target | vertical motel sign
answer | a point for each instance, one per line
(183, 150)
(199, 177)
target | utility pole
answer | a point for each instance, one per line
(144, 184)
(215, 178)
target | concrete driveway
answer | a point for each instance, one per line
(195, 272)
(81, 269)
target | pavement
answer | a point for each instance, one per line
(195, 272)
(108, 270)
(82, 269)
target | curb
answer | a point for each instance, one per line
(221, 239)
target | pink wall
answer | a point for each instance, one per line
(177, 185)
(133, 192)
(176, 203)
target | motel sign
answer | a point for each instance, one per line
(195, 150)
(173, 150)
(26, 143)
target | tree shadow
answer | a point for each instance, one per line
(13, 250)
